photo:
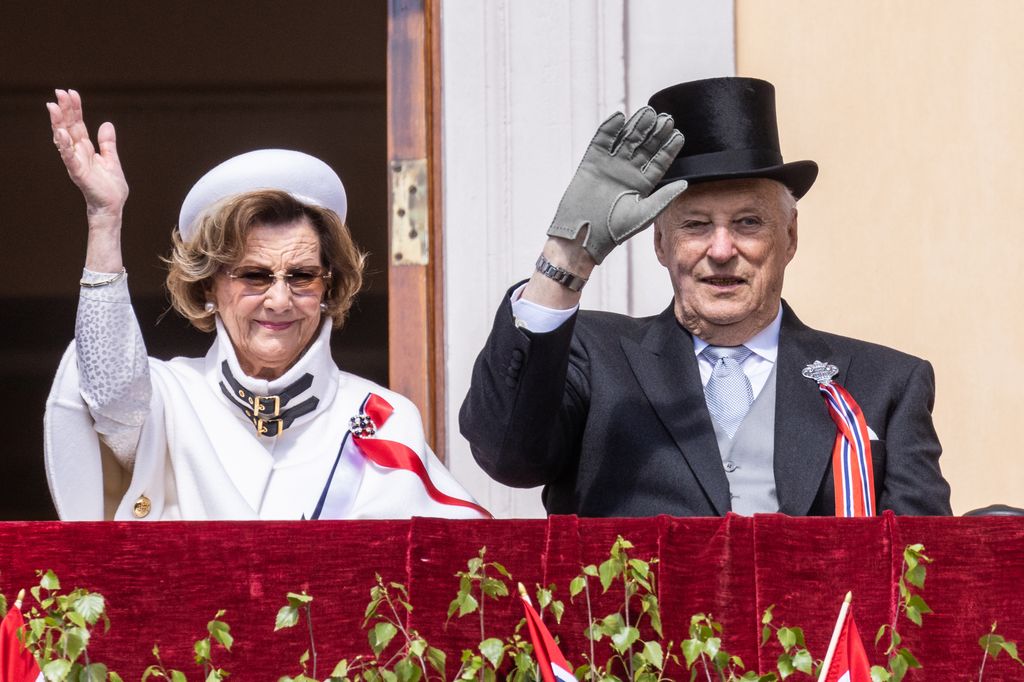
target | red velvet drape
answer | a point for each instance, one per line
(163, 581)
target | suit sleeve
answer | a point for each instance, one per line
(913, 480)
(527, 402)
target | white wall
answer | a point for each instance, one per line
(525, 84)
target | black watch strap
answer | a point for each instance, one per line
(564, 277)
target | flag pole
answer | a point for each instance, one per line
(21, 598)
(835, 637)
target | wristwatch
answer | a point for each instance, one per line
(564, 277)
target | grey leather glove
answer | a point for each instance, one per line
(611, 191)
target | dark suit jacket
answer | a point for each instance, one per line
(608, 413)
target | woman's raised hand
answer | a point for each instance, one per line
(97, 174)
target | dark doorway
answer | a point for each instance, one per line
(187, 84)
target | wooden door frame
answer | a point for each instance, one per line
(416, 348)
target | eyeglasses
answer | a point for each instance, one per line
(299, 280)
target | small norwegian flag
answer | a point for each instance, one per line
(16, 663)
(553, 666)
(846, 660)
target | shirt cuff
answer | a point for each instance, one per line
(535, 317)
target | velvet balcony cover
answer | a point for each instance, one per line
(164, 581)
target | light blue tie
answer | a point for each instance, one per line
(728, 392)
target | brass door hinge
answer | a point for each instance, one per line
(410, 200)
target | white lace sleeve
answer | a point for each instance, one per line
(112, 364)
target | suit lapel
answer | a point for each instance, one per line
(804, 432)
(666, 368)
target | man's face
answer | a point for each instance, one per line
(726, 245)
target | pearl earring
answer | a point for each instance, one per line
(323, 307)
(210, 307)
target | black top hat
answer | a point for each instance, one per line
(731, 132)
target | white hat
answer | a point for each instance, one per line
(305, 177)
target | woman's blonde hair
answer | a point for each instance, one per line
(219, 242)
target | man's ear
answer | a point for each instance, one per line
(659, 250)
(792, 233)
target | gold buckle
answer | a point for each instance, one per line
(258, 410)
(262, 427)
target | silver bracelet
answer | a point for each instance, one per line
(564, 277)
(104, 282)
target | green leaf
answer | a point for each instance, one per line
(787, 638)
(879, 674)
(650, 605)
(712, 645)
(406, 670)
(114, 677)
(492, 587)
(654, 655)
(641, 568)
(56, 670)
(501, 569)
(577, 585)
(766, 634)
(341, 669)
(1011, 650)
(622, 640)
(90, 607)
(94, 672)
(909, 658)
(915, 576)
(75, 641)
(221, 632)
(607, 572)
(590, 570)
(766, 617)
(991, 644)
(493, 649)
(202, 649)
(437, 659)
(287, 617)
(899, 667)
(49, 582)
(296, 599)
(381, 636)
(785, 666)
(803, 661)
(557, 610)
(692, 649)
(543, 597)
(469, 605)
(918, 602)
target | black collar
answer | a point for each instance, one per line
(267, 412)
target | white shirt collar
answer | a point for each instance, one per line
(765, 343)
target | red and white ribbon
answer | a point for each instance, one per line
(851, 455)
(394, 455)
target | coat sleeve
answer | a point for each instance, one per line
(527, 402)
(113, 367)
(913, 480)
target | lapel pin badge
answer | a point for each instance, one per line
(821, 372)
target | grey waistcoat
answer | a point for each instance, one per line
(749, 457)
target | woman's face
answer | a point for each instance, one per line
(270, 329)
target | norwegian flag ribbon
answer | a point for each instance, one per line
(394, 455)
(553, 665)
(852, 474)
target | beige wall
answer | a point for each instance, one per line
(913, 111)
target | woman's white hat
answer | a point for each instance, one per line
(305, 177)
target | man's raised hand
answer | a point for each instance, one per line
(612, 193)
